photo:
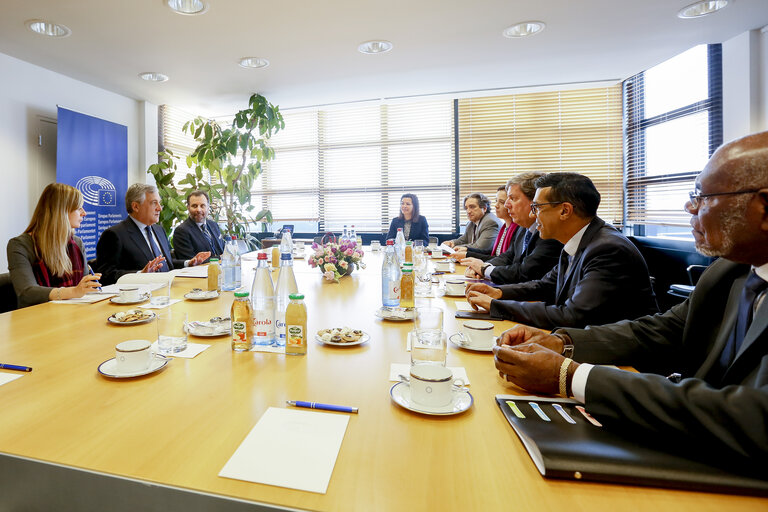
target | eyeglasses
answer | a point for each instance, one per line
(536, 207)
(695, 198)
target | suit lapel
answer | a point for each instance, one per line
(755, 335)
(727, 325)
(565, 273)
(138, 238)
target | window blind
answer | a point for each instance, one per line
(577, 131)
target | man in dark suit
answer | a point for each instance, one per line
(601, 276)
(198, 233)
(138, 244)
(528, 257)
(717, 340)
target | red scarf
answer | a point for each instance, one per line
(44, 277)
(506, 234)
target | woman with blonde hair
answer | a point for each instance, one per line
(47, 261)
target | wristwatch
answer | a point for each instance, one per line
(567, 343)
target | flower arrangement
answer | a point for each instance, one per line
(336, 259)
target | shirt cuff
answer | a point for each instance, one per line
(186, 263)
(488, 271)
(579, 382)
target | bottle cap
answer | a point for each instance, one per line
(407, 269)
(399, 229)
(296, 296)
(408, 243)
(234, 237)
(212, 260)
(261, 256)
(241, 294)
(390, 242)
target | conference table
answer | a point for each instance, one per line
(71, 436)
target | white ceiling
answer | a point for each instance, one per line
(440, 46)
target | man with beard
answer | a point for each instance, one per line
(198, 233)
(716, 404)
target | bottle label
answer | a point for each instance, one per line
(280, 325)
(263, 323)
(239, 332)
(394, 290)
(295, 336)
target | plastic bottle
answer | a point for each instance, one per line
(390, 277)
(263, 303)
(400, 245)
(352, 234)
(275, 256)
(286, 285)
(296, 326)
(242, 323)
(286, 242)
(230, 266)
(406, 287)
(344, 235)
(214, 275)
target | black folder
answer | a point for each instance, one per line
(586, 452)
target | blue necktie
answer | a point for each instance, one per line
(527, 240)
(155, 249)
(753, 286)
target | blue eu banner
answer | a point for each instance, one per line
(92, 156)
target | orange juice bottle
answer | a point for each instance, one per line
(242, 323)
(406, 287)
(409, 252)
(296, 326)
(214, 275)
(275, 256)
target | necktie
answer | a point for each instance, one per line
(527, 240)
(208, 237)
(155, 249)
(753, 286)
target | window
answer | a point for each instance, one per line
(576, 131)
(673, 115)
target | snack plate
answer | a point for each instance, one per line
(118, 300)
(115, 321)
(456, 340)
(204, 295)
(207, 329)
(365, 337)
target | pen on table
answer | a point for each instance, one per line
(325, 407)
(91, 272)
(15, 367)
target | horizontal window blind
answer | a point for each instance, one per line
(577, 131)
(673, 115)
(171, 120)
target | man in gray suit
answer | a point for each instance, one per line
(483, 225)
(598, 266)
(717, 340)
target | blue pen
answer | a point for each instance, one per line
(325, 407)
(14, 367)
(91, 272)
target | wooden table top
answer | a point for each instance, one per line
(179, 426)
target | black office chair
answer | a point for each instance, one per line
(683, 291)
(7, 294)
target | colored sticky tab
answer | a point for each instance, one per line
(588, 416)
(512, 405)
(565, 415)
(538, 411)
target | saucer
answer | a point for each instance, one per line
(365, 337)
(445, 294)
(456, 340)
(386, 314)
(109, 368)
(118, 300)
(111, 319)
(208, 329)
(401, 395)
(204, 295)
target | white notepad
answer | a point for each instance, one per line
(289, 448)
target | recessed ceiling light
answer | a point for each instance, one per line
(153, 77)
(371, 47)
(525, 28)
(253, 62)
(47, 28)
(701, 8)
(189, 7)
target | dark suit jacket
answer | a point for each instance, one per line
(188, 239)
(725, 414)
(514, 266)
(419, 229)
(122, 249)
(608, 281)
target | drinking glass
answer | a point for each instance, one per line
(161, 296)
(429, 344)
(171, 331)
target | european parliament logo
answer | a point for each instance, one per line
(97, 191)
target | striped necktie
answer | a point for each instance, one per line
(155, 249)
(208, 237)
(527, 240)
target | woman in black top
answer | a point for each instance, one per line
(414, 226)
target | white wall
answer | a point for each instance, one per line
(745, 84)
(28, 98)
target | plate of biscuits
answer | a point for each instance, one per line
(131, 317)
(342, 337)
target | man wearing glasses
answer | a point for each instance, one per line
(716, 406)
(601, 277)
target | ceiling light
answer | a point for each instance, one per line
(153, 77)
(253, 62)
(701, 8)
(526, 28)
(371, 47)
(189, 7)
(47, 28)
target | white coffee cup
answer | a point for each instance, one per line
(375, 245)
(455, 287)
(443, 265)
(477, 333)
(133, 356)
(129, 293)
(432, 385)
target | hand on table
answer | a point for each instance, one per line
(154, 265)
(530, 366)
(460, 253)
(479, 300)
(475, 264)
(87, 284)
(448, 243)
(199, 258)
(520, 334)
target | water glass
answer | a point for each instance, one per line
(429, 345)
(171, 331)
(161, 296)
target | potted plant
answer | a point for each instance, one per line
(232, 158)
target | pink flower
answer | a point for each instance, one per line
(329, 276)
(349, 252)
(344, 265)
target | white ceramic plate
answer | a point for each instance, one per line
(115, 321)
(204, 295)
(456, 340)
(384, 314)
(365, 337)
(401, 395)
(208, 329)
(109, 368)
(118, 300)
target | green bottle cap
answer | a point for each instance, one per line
(214, 259)
(241, 294)
(296, 296)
